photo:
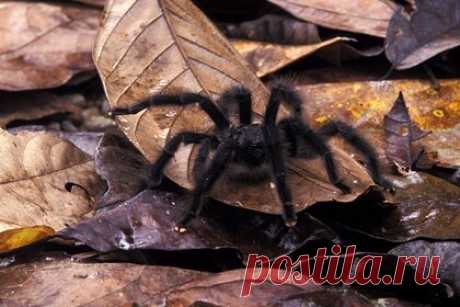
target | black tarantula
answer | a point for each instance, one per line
(253, 146)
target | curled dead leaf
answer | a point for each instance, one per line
(362, 16)
(400, 133)
(43, 45)
(274, 29)
(16, 238)
(34, 169)
(433, 28)
(267, 58)
(34, 106)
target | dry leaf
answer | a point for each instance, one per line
(124, 180)
(147, 222)
(16, 238)
(361, 16)
(122, 284)
(428, 207)
(400, 133)
(44, 45)
(448, 251)
(30, 106)
(275, 29)
(100, 3)
(66, 283)
(433, 28)
(267, 58)
(166, 46)
(33, 172)
(366, 103)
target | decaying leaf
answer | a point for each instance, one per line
(167, 46)
(147, 221)
(448, 251)
(362, 16)
(35, 106)
(123, 180)
(433, 28)
(34, 169)
(43, 45)
(365, 104)
(274, 29)
(428, 207)
(400, 133)
(100, 3)
(65, 282)
(16, 238)
(267, 58)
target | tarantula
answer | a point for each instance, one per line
(256, 148)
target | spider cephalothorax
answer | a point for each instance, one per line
(256, 151)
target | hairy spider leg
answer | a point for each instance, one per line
(280, 93)
(348, 133)
(242, 96)
(213, 111)
(298, 127)
(202, 157)
(275, 155)
(206, 181)
(170, 149)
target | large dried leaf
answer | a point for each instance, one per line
(275, 29)
(365, 104)
(433, 28)
(33, 172)
(267, 58)
(167, 46)
(44, 45)
(66, 283)
(362, 16)
(428, 207)
(148, 220)
(449, 253)
(35, 106)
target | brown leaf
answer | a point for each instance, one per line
(428, 207)
(35, 106)
(68, 283)
(366, 103)
(361, 16)
(169, 46)
(433, 28)
(123, 180)
(44, 45)
(34, 170)
(99, 3)
(268, 58)
(275, 29)
(400, 132)
(448, 251)
(147, 221)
